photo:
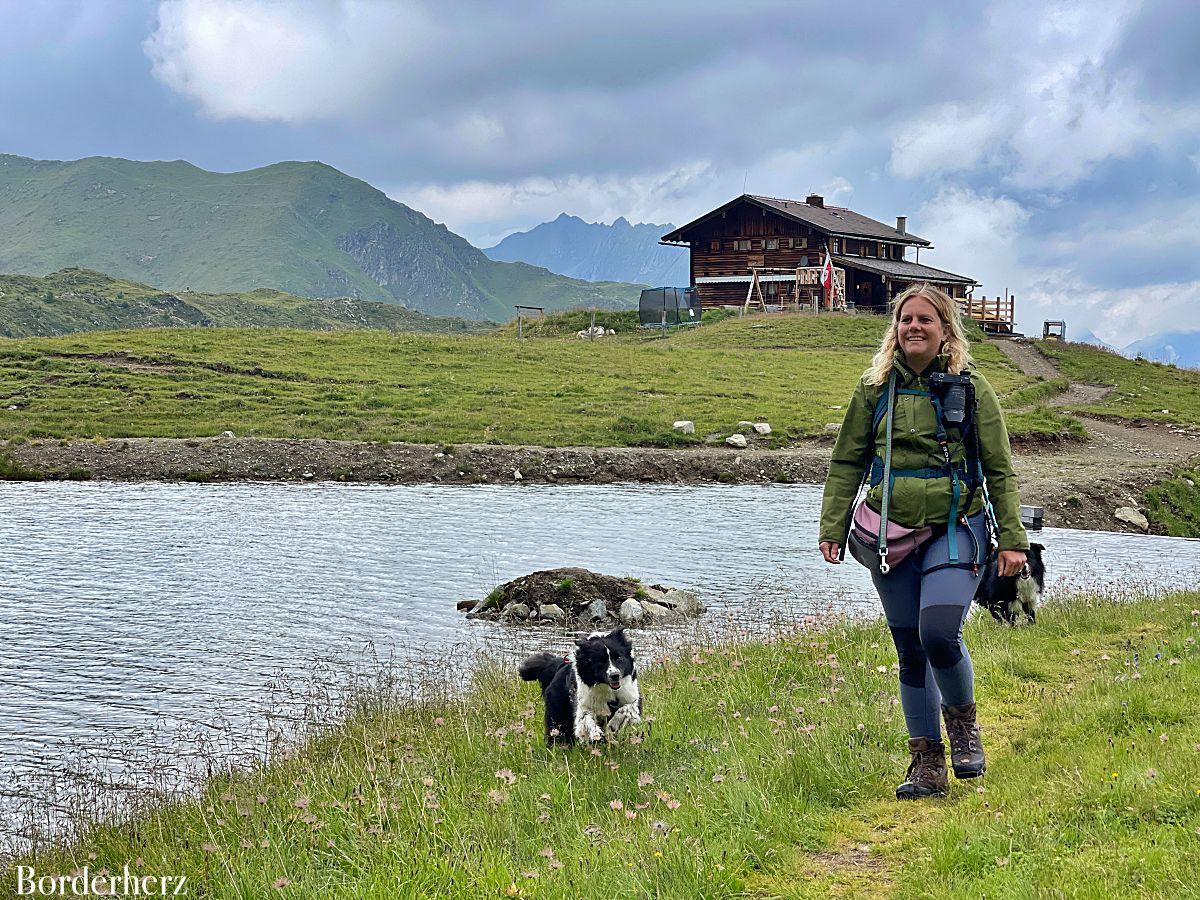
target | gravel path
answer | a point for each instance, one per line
(1081, 485)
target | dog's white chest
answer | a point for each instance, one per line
(1027, 592)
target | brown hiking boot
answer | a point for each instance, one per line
(966, 746)
(927, 771)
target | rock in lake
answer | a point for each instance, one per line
(516, 611)
(683, 602)
(596, 611)
(552, 611)
(579, 599)
(631, 612)
(656, 612)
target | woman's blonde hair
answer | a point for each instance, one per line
(956, 346)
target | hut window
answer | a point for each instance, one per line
(772, 243)
(743, 245)
(836, 247)
(801, 243)
(714, 246)
(786, 243)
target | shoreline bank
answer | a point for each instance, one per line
(1069, 480)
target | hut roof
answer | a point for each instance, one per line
(834, 220)
(909, 271)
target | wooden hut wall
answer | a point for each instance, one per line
(749, 236)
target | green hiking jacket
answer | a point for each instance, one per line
(916, 502)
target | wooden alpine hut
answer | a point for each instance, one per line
(778, 247)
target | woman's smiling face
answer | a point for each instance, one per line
(920, 332)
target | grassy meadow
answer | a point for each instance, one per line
(795, 372)
(765, 769)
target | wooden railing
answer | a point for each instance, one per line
(992, 315)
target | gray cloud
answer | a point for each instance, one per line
(1034, 142)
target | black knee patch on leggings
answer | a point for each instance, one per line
(940, 635)
(912, 656)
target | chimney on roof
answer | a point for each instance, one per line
(902, 224)
(815, 200)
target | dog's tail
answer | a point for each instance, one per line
(541, 667)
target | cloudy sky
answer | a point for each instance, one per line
(1052, 149)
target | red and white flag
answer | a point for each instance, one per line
(827, 280)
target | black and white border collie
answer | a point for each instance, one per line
(1005, 596)
(591, 695)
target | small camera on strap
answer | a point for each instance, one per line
(954, 395)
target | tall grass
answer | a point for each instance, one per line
(765, 768)
(1174, 503)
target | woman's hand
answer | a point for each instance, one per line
(830, 551)
(1010, 562)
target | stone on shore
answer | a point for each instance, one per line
(1131, 516)
(685, 427)
(736, 440)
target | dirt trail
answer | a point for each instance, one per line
(1027, 359)
(1081, 485)
(1080, 394)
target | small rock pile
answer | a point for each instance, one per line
(579, 598)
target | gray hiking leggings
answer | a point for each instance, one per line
(925, 611)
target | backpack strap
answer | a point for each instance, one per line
(887, 472)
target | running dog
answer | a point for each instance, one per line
(1005, 596)
(591, 694)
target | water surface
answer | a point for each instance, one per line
(131, 610)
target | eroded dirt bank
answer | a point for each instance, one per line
(241, 459)
(1080, 485)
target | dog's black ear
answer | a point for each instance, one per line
(579, 642)
(620, 637)
(1036, 546)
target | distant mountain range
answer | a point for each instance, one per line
(300, 227)
(79, 300)
(597, 252)
(1176, 348)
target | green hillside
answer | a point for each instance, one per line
(300, 227)
(79, 300)
(792, 371)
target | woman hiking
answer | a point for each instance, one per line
(925, 431)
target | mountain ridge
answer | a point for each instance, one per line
(301, 227)
(594, 251)
(1176, 348)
